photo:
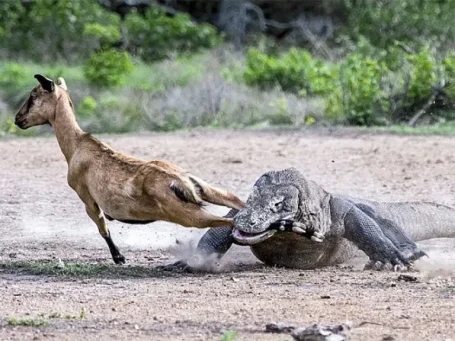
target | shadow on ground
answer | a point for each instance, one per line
(46, 267)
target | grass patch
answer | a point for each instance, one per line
(228, 335)
(439, 129)
(27, 322)
(167, 74)
(48, 268)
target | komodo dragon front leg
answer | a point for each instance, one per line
(392, 231)
(216, 241)
(386, 245)
(367, 235)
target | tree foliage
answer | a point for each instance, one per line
(155, 35)
(365, 88)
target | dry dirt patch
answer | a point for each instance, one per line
(41, 219)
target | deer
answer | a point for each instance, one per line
(116, 186)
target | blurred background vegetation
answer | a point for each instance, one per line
(134, 65)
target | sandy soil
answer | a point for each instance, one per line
(42, 219)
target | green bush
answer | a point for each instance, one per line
(155, 36)
(423, 76)
(11, 11)
(104, 34)
(87, 107)
(360, 97)
(15, 83)
(369, 87)
(48, 30)
(281, 116)
(410, 22)
(295, 71)
(108, 67)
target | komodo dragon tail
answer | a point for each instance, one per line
(421, 220)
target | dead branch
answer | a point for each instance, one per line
(437, 91)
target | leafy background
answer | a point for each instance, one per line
(162, 66)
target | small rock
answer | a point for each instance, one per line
(407, 278)
(319, 332)
(279, 327)
(60, 263)
(234, 279)
(393, 284)
(388, 338)
(232, 160)
(325, 297)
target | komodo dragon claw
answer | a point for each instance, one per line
(299, 228)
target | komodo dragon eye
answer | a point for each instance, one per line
(277, 206)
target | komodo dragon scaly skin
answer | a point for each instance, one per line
(327, 229)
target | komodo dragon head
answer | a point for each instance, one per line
(271, 201)
(282, 196)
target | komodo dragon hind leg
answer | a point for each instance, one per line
(394, 233)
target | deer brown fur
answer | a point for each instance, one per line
(117, 186)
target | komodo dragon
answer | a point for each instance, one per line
(327, 229)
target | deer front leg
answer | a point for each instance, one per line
(96, 215)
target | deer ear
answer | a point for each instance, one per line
(46, 83)
(61, 82)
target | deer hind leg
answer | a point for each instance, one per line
(96, 215)
(203, 219)
(215, 195)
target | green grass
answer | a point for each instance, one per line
(144, 76)
(228, 335)
(163, 75)
(47, 268)
(438, 129)
(27, 322)
(152, 77)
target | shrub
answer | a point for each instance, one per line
(414, 23)
(51, 29)
(369, 87)
(423, 76)
(282, 116)
(87, 107)
(108, 67)
(102, 34)
(294, 71)
(360, 96)
(14, 81)
(155, 36)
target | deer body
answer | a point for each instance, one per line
(117, 186)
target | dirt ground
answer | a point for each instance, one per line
(42, 219)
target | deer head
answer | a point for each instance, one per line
(41, 106)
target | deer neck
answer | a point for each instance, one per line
(66, 128)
